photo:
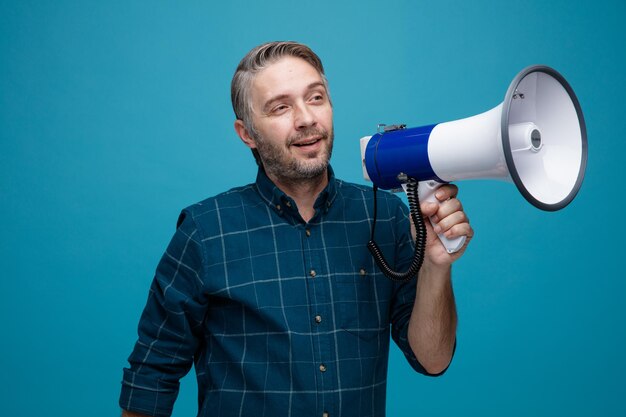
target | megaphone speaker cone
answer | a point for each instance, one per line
(544, 138)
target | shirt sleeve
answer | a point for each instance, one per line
(169, 326)
(404, 292)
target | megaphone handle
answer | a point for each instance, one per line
(426, 191)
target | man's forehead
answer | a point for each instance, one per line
(287, 75)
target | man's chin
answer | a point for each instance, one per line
(313, 170)
(313, 158)
(299, 167)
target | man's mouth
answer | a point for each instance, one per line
(310, 141)
(307, 142)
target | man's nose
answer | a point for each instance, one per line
(304, 117)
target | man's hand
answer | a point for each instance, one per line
(131, 414)
(450, 220)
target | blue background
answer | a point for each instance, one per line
(114, 115)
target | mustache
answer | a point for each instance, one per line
(308, 133)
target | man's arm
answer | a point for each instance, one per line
(167, 338)
(432, 327)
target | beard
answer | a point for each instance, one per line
(279, 162)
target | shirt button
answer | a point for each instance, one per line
(308, 232)
(278, 207)
(288, 203)
(312, 273)
(323, 368)
(318, 319)
(363, 272)
(325, 414)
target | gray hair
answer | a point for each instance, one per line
(257, 60)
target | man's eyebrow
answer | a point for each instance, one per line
(279, 97)
(316, 84)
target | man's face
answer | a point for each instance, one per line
(293, 120)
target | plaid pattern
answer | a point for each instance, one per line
(279, 316)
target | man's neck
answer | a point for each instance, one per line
(304, 192)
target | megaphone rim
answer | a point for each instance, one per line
(508, 155)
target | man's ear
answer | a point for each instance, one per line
(244, 135)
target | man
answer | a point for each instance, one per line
(269, 288)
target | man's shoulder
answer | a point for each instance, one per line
(234, 198)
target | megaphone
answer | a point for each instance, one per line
(536, 138)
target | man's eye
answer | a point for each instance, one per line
(280, 108)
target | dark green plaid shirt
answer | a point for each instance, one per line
(280, 317)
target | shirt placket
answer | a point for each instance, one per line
(318, 283)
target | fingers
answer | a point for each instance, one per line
(447, 208)
(454, 225)
(443, 193)
(429, 209)
(446, 192)
(448, 217)
(461, 229)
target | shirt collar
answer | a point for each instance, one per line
(285, 205)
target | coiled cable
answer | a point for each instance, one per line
(420, 237)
